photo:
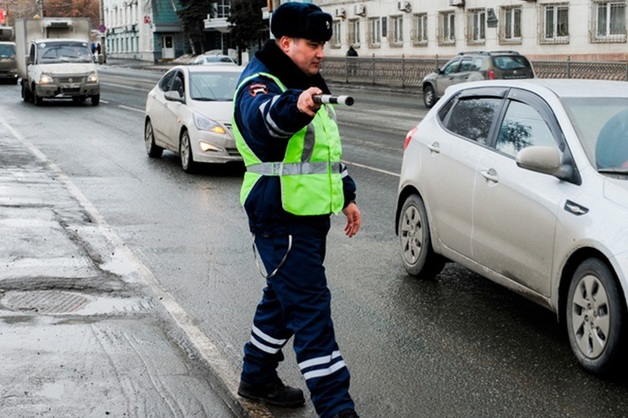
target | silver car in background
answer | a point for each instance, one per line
(189, 113)
(525, 182)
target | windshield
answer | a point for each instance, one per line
(213, 86)
(7, 51)
(75, 52)
(602, 126)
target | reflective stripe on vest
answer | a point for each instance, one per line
(310, 173)
(293, 169)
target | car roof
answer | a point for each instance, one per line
(209, 68)
(562, 88)
(489, 53)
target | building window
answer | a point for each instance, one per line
(610, 21)
(336, 40)
(354, 32)
(555, 24)
(510, 29)
(476, 27)
(447, 29)
(396, 31)
(374, 32)
(223, 9)
(419, 31)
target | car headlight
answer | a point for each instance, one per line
(46, 79)
(92, 77)
(206, 124)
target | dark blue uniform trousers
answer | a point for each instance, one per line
(296, 302)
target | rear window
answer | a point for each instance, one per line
(514, 62)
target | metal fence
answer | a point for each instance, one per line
(408, 72)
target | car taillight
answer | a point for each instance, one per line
(409, 138)
(491, 75)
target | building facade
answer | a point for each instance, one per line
(540, 29)
(150, 30)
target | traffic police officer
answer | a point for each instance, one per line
(294, 182)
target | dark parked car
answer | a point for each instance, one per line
(474, 66)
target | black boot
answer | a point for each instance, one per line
(346, 413)
(275, 393)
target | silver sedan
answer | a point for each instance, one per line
(526, 183)
(189, 112)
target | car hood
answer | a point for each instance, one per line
(218, 111)
(616, 190)
(7, 63)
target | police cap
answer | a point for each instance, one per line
(301, 20)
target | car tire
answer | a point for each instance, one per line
(95, 99)
(37, 100)
(417, 254)
(429, 96)
(596, 318)
(26, 94)
(153, 150)
(185, 151)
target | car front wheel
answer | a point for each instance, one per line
(429, 96)
(187, 158)
(153, 150)
(417, 254)
(596, 318)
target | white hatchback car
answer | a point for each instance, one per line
(189, 112)
(526, 183)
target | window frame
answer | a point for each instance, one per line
(419, 29)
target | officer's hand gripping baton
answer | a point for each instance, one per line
(328, 98)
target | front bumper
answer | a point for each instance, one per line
(215, 148)
(67, 89)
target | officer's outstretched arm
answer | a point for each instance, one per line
(306, 103)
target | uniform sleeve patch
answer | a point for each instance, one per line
(258, 88)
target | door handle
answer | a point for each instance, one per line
(490, 175)
(434, 147)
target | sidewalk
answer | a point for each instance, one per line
(85, 330)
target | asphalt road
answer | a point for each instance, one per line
(457, 346)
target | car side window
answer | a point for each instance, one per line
(178, 84)
(466, 65)
(166, 80)
(523, 127)
(452, 67)
(472, 118)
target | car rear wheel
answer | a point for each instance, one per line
(596, 318)
(415, 239)
(429, 97)
(185, 150)
(153, 150)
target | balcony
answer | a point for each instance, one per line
(218, 23)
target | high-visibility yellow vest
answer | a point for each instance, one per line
(311, 183)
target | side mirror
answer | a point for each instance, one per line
(173, 96)
(546, 160)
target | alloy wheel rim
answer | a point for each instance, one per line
(185, 150)
(411, 235)
(591, 316)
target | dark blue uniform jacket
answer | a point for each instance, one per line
(267, 119)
